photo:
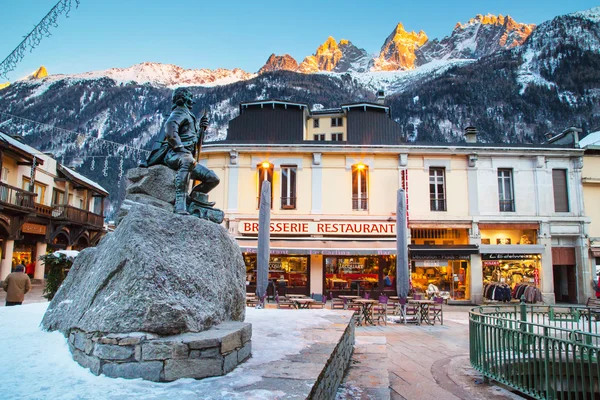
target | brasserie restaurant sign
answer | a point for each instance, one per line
(322, 228)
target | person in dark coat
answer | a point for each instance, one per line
(178, 151)
(16, 285)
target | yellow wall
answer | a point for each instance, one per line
(591, 192)
(13, 176)
(457, 203)
(325, 127)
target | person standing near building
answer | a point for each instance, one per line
(29, 268)
(16, 285)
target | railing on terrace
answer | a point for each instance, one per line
(77, 215)
(547, 352)
(16, 197)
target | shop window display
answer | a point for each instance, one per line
(359, 274)
(286, 273)
(510, 275)
(444, 278)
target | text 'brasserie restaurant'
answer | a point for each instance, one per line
(341, 257)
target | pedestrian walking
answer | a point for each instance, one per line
(16, 285)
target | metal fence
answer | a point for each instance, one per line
(546, 352)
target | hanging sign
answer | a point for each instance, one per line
(36, 229)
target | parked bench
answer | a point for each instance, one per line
(594, 306)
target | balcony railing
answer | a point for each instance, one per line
(17, 197)
(360, 204)
(288, 202)
(437, 204)
(77, 215)
(507, 205)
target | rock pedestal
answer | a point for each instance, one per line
(158, 277)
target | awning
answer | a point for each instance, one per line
(595, 252)
(425, 250)
(520, 226)
(512, 249)
(325, 247)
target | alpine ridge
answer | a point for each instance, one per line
(513, 84)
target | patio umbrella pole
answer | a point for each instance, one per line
(402, 277)
(264, 234)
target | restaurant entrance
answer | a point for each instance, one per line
(359, 274)
(288, 274)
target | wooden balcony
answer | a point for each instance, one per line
(76, 215)
(16, 199)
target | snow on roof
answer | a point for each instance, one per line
(85, 180)
(593, 139)
(22, 146)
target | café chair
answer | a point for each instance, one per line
(336, 302)
(408, 312)
(380, 310)
(283, 302)
(318, 303)
(436, 311)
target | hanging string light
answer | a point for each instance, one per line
(33, 39)
(93, 166)
(105, 169)
(120, 168)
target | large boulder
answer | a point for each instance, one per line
(158, 272)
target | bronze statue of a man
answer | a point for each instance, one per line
(178, 151)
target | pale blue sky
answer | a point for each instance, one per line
(101, 34)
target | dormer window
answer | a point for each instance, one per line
(316, 123)
(338, 121)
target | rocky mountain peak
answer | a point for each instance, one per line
(336, 57)
(479, 37)
(40, 73)
(279, 63)
(398, 50)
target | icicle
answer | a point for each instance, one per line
(105, 169)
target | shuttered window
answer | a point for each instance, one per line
(561, 196)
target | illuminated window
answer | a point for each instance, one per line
(265, 173)
(38, 188)
(288, 187)
(360, 198)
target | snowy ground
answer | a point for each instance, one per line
(37, 364)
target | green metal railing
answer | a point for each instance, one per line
(546, 352)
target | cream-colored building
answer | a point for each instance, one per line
(591, 196)
(44, 206)
(478, 214)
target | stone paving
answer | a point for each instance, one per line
(404, 361)
(417, 362)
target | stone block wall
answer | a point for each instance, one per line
(332, 374)
(214, 352)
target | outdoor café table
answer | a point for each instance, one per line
(423, 309)
(303, 302)
(366, 311)
(296, 296)
(348, 298)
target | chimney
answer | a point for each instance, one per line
(380, 97)
(471, 134)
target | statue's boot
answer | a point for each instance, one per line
(201, 198)
(181, 182)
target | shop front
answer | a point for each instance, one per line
(444, 272)
(511, 261)
(346, 257)
(516, 275)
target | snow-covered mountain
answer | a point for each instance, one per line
(279, 63)
(512, 91)
(398, 50)
(479, 37)
(336, 57)
(168, 75)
